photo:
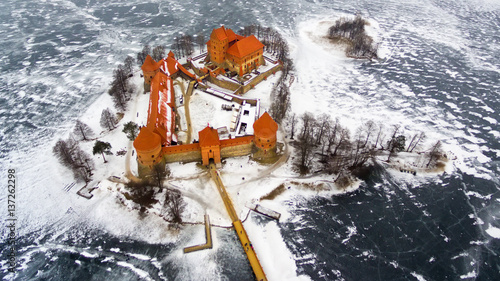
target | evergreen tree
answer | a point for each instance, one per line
(101, 147)
(131, 130)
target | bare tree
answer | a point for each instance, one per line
(324, 121)
(380, 135)
(415, 141)
(158, 53)
(141, 56)
(292, 122)
(333, 133)
(281, 101)
(108, 119)
(187, 44)
(82, 130)
(120, 90)
(391, 144)
(368, 129)
(305, 143)
(174, 206)
(343, 140)
(83, 165)
(64, 150)
(200, 40)
(435, 154)
(158, 174)
(128, 65)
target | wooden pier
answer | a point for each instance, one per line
(208, 235)
(238, 226)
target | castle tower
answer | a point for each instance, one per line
(265, 132)
(149, 69)
(148, 147)
(210, 145)
(219, 43)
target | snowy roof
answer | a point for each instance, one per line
(161, 118)
(245, 47)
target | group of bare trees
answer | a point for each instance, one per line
(273, 40)
(275, 44)
(340, 152)
(121, 90)
(157, 53)
(183, 45)
(353, 30)
(145, 191)
(73, 157)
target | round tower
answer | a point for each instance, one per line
(265, 132)
(149, 69)
(148, 147)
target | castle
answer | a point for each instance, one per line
(235, 52)
(157, 141)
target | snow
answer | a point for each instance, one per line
(493, 232)
(139, 272)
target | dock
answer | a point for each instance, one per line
(238, 226)
(208, 235)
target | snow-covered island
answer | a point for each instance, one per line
(227, 108)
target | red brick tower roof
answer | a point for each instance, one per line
(209, 137)
(265, 126)
(150, 64)
(146, 140)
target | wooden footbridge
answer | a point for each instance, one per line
(238, 226)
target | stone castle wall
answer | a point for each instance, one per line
(259, 78)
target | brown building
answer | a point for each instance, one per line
(235, 52)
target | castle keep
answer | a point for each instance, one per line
(235, 52)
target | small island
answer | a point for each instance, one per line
(352, 33)
(187, 122)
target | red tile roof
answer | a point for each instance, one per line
(209, 137)
(245, 47)
(150, 64)
(146, 140)
(161, 118)
(265, 126)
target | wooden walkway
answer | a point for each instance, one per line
(208, 235)
(238, 226)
